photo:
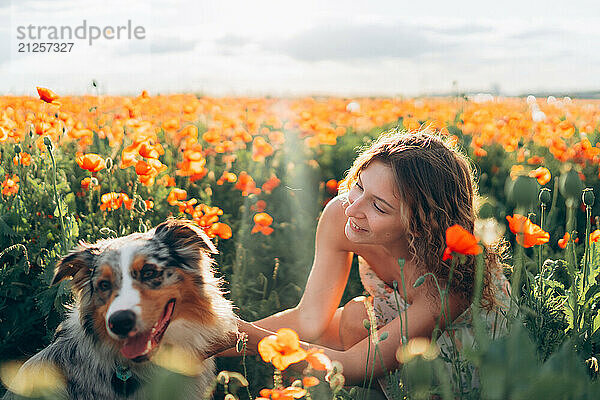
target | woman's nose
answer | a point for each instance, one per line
(354, 208)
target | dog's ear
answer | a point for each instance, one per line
(185, 237)
(77, 264)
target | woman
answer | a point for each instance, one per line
(400, 196)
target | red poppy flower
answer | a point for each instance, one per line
(542, 174)
(91, 161)
(459, 240)
(595, 236)
(262, 222)
(528, 233)
(332, 186)
(46, 95)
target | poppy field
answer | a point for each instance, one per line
(254, 174)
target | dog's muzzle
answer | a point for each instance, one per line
(122, 322)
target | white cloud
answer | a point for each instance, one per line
(289, 47)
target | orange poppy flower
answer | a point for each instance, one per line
(459, 240)
(176, 195)
(25, 159)
(332, 186)
(595, 236)
(219, 229)
(3, 135)
(310, 381)
(148, 150)
(261, 149)
(187, 206)
(85, 183)
(535, 160)
(281, 349)
(262, 222)
(127, 202)
(270, 184)
(227, 177)
(479, 152)
(111, 201)
(317, 359)
(260, 206)
(562, 243)
(10, 186)
(542, 174)
(289, 393)
(246, 184)
(46, 95)
(91, 161)
(528, 234)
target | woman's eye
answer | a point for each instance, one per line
(358, 186)
(104, 285)
(378, 209)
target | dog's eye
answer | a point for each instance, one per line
(104, 285)
(149, 272)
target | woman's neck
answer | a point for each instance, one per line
(398, 250)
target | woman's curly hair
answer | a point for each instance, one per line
(436, 183)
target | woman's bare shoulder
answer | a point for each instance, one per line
(332, 223)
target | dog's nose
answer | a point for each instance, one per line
(122, 322)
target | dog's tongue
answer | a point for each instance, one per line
(137, 345)
(142, 343)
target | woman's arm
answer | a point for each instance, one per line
(422, 319)
(326, 282)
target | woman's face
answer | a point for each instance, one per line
(375, 213)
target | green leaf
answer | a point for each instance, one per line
(5, 229)
(63, 208)
(596, 323)
(591, 291)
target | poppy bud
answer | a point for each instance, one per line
(223, 377)
(336, 382)
(487, 210)
(570, 184)
(419, 281)
(17, 148)
(525, 190)
(366, 324)
(588, 197)
(545, 197)
(48, 142)
(109, 163)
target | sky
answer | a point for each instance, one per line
(308, 47)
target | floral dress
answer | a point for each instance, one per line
(385, 306)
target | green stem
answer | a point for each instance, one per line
(90, 201)
(401, 263)
(586, 262)
(57, 200)
(448, 326)
(403, 339)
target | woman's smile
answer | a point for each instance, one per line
(355, 227)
